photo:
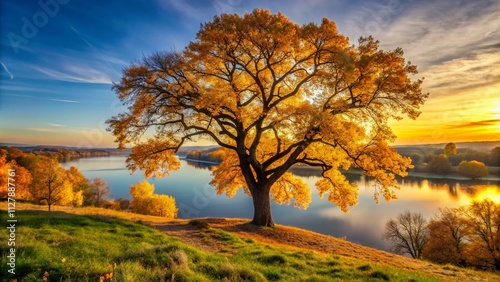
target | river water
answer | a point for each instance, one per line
(364, 224)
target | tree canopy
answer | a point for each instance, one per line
(272, 94)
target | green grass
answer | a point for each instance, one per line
(91, 246)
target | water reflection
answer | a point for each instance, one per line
(364, 224)
(454, 187)
(200, 165)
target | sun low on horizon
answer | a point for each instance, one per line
(59, 62)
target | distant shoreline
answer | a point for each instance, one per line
(414, 174)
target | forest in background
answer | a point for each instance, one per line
(425, 158)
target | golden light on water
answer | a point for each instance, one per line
(486, 192)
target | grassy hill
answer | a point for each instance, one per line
(85, 244)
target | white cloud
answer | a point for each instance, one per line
(40, 129)
(7, 70)
(76, 74)
(432, 33)
(477, 70)
(64, 101)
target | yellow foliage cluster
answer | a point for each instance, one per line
(473, 169)
(22, 179)
(272, 94)
(466, 236)
(144, 201)
(42, 179)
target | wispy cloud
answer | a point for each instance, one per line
(7, 70)
(76, 74)
(56, 125)
(40, 98)
(21, 88)
(490, 122)
(479, 69)
(107, 59)
(64, 101)
(439, 31)
(185, 8)
(41, 129)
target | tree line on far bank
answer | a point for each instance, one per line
(467, 236)
(465, 161)
(42, 180)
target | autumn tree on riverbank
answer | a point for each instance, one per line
(273, 94)
(407, 233)
(50, 184)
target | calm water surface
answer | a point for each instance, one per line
(364, 224)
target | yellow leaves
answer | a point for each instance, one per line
(267, 89)
(154, 157)
(144, 201)
(290, 187)
(339, 190)
(50, 184)
(142, 189)
(227, 177)
(22, 179)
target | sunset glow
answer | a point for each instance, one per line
(55, 81)
(490, 193)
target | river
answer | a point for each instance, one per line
(364, 224)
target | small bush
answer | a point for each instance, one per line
(198, 223)
(274, 259)
(472, 169)
(145, 202)
(272, 275)
(180, 258)
(379, 275)
(364, 267)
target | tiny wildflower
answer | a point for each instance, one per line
(63, 260)
(45, 276)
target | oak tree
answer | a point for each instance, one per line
(272, 94)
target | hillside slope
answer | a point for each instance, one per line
(200, 250)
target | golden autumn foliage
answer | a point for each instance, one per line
(473, 169)
(272, 94)
(447, 237)
(22, 179)
(144, 201)
(465, 236)
(50, 184)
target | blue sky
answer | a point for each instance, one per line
(60, 57)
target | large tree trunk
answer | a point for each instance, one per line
(262, 208)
